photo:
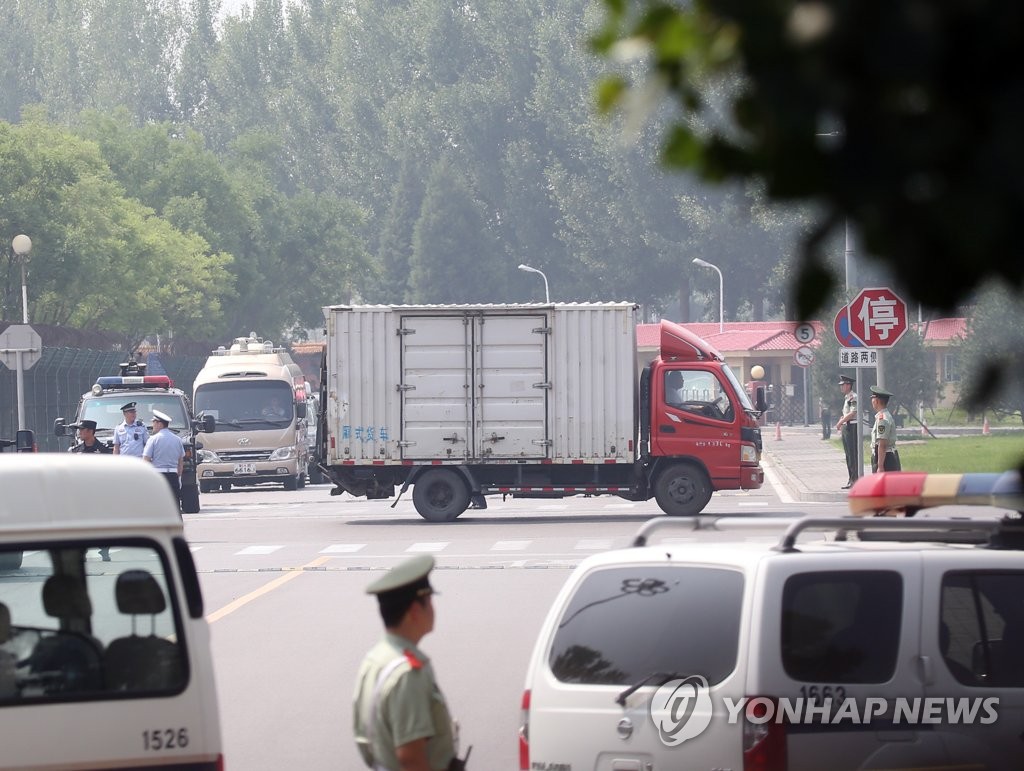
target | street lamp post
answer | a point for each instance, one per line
(721, 291)
(528, 269)
(22, 245)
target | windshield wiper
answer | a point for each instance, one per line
(663, 676)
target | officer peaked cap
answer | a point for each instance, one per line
(881, 392)
(408, 577)
(91, 424)
(845, 380)
(164, 418)
(128, 406)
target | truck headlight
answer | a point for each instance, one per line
(748, 454)
(208, 456)
(283, 453)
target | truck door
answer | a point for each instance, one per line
(510, 377)
(694, 416)
(436, 386)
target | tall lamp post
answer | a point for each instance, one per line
(528, 269)
(22, 245)
(721, 290)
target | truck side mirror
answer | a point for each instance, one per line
(300, 410)
(759, 402)
(208, 425)
(25, 441)
(58, 427)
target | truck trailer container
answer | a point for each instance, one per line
(546, 401)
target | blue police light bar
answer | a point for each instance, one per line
(134, 381)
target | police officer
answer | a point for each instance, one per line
(848, 425)
(130, 434)
(883, 433)
(166, 452)
(400, 718)
(87, 438)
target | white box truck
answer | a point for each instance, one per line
(527, 400)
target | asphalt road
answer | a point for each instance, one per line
(283, 575)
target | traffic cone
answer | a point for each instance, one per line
(985, 430)
(778, 432)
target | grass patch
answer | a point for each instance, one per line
(961, 454)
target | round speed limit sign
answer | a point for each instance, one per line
(804, 333)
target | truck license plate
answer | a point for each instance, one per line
(245, 468)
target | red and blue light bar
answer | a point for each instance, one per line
(913, 490)
(135, 381)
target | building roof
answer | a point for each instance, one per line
(944, 330)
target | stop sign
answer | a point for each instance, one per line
(878, 317)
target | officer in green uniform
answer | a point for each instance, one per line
(883, 433)
(847, 424)
(400, 717)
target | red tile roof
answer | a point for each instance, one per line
(942, 330)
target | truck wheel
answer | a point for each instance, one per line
(291, 483)
(440, 495)
(11, 560)
(316, 476)
(682, 490)
(206, 487)
(190, 499)
(301, 481)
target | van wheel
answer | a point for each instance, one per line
(682, 490)
(190, 499)
(207, 487)
(11, 560)
(301, 481)
(440, 495)
(316, 476)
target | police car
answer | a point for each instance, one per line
(150, 392)
(842, 643)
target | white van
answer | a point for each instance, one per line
(257, 395)
(104, 650)
(887, 643)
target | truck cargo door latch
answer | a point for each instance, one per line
(542, 385)
(404, 387)
(494, 438)
(453, 438)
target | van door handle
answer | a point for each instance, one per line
(927, 672)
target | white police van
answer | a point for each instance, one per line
(847, 643)
(104, 651)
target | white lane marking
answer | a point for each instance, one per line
(511, 545)
(194, 549)
(429, 546)
(593, 544)
(752, 504)
(343, 548)
(620, 505)
(780, 489)
(250, 550)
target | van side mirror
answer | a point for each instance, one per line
(759, 401)
(300, 410)
(59, 429)
(208, 424)
(25, 441)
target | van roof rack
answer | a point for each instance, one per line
(1004, 533)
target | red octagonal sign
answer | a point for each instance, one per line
(878, 317)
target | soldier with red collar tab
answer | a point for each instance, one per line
(401, 720)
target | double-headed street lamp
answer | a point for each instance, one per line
(22, 245)
(721, 290)
(528, 269)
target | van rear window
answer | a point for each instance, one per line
(624, 623)
(90, 620)
(842, 626)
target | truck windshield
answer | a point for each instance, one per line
(247, 405)
(106, 410)
(740, 391)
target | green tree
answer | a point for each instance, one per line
(923, 101)
(992, 353)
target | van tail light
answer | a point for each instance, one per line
(524, 733)
(220, 763)
(764, 736)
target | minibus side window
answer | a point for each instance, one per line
(75, 626)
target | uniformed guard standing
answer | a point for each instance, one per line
(400, 718)
(87, 438)
(130, 434)
(883, 433)
(166, 452)
(848, 425)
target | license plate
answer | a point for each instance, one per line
(245, 468)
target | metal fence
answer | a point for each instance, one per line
(55, 384)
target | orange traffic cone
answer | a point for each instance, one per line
(985, 430)
(778, 432)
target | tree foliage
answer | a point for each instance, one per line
(992, 353)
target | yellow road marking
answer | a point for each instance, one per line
(234, 605)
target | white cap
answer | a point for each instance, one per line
(157, 415)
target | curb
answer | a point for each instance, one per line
(795, 486)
